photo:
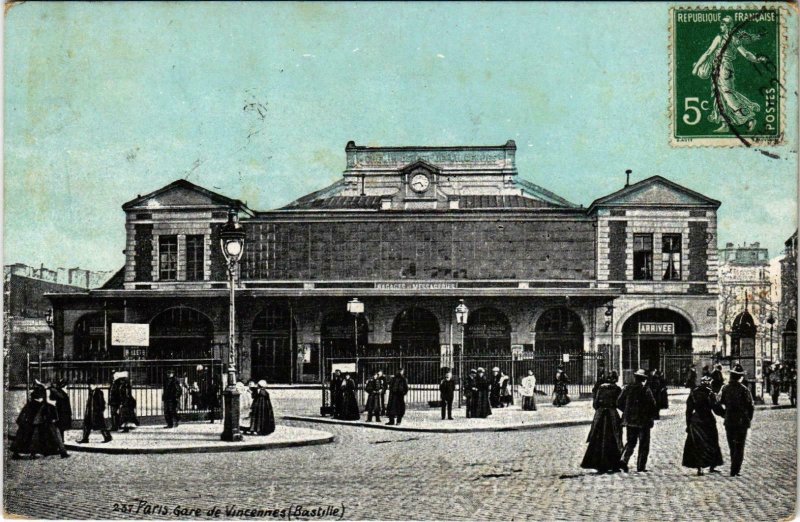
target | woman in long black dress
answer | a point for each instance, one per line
(604, 451)
(560, 390)
(482, 408)
(349, 402)
(262, 418)
(702, 438)
(127, 408)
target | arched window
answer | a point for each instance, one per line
(559, 331)
(415, 331)
(488, 332)
(274, 336)
(180, 333)
(657, 338)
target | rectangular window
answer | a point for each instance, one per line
(643, 257)
(671, 257)
(167, 258)
(195, 259)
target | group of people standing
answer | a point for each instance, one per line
(344, 403)
(256, 416)
(640, 403)
(41, 423)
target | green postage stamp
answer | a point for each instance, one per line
(726, 83)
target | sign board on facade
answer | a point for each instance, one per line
(135, 353)
(344, 367)
(747, 347)
(565, 357)
(657, 328)
(130, 334)
(415, 286)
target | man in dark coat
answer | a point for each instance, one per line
(336, 393)
(115, 401)
(480, 399)
(58, 394)
(374, 389)
(654, 385)
(169, 396)
(37, 431)
(775, 384)
(793, 387)
(717, 380)
(447, 389)
(94, 414)
(383, 383)
(737, 405)
(691, 378)
(470, 391)
(398, 388)
(638, 408)
(494, 390)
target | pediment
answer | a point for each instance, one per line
(656, 192)
(420, 164)
(181, 193)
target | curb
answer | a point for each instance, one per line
(477, 429)
(78, 448)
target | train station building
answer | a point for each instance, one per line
(411, 231)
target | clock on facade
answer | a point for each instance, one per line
(419, 182)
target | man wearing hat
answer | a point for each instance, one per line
(470, 391)
(638, 408)
(494, 390)
(480, 395)
(737, 404)
(94, 414)
(169, 396)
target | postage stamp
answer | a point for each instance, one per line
(726, 76)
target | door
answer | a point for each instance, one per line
(271, 359)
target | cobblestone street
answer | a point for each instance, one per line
(384, 475)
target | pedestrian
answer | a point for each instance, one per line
(701, 449)
(663, 395)
(447, 390)
(470, 391)
(374, 389)
(37, 428)
(59, 395)
(194, 391)
(737, 404)
(127, 407)
(691, 378)
(775, 384)
(94, 413)
(638, 408)
(349, 407)
(654, 385)
(336, 393)
(560, 390)
(705, 372)
(262, 417)
(506, 396)
(169, 397)
(528, 392)
(245, 403)
(211, 394)
(717, 380)
(793, 386)
(604, 451)
(481, 406)
(601, 379)
(384, 385)
(200, 383)
(115, 400)
(398, 388)
(494, 389)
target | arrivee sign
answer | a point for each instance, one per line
(657, 328)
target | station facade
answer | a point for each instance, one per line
(410, 231)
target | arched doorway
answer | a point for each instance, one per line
(273, 339)
(180, 333)
(658, 338)
(415, 331)
(337, 335)
(488, 332)
(92, 338)
(559, 331)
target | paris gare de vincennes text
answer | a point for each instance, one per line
(410, 232)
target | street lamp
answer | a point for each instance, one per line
(48, 318)
(609, 313)
(462, 313)
(355, 307)
(231, 240)
(770, 322)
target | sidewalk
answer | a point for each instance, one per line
(513, 418)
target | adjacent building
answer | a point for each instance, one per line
(788, 303)
(410, 231)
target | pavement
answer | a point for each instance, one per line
(194, 438)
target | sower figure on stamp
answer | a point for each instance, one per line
(169, 397)
(447, 390)
(94, 414)
(737, 404)
(374, 389)
(701, 449)
(605, 437)
(398, 388)
(638, 408)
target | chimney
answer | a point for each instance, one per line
(628, 177)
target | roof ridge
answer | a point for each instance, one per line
(543, 193)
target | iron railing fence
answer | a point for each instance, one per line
(425, 373)
(147, 379)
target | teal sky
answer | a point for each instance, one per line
(109, 100)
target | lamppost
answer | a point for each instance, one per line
(462, 313)
(771, 323)
(609, 313)
(355, 307)
(48, 318)
(231, 239)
